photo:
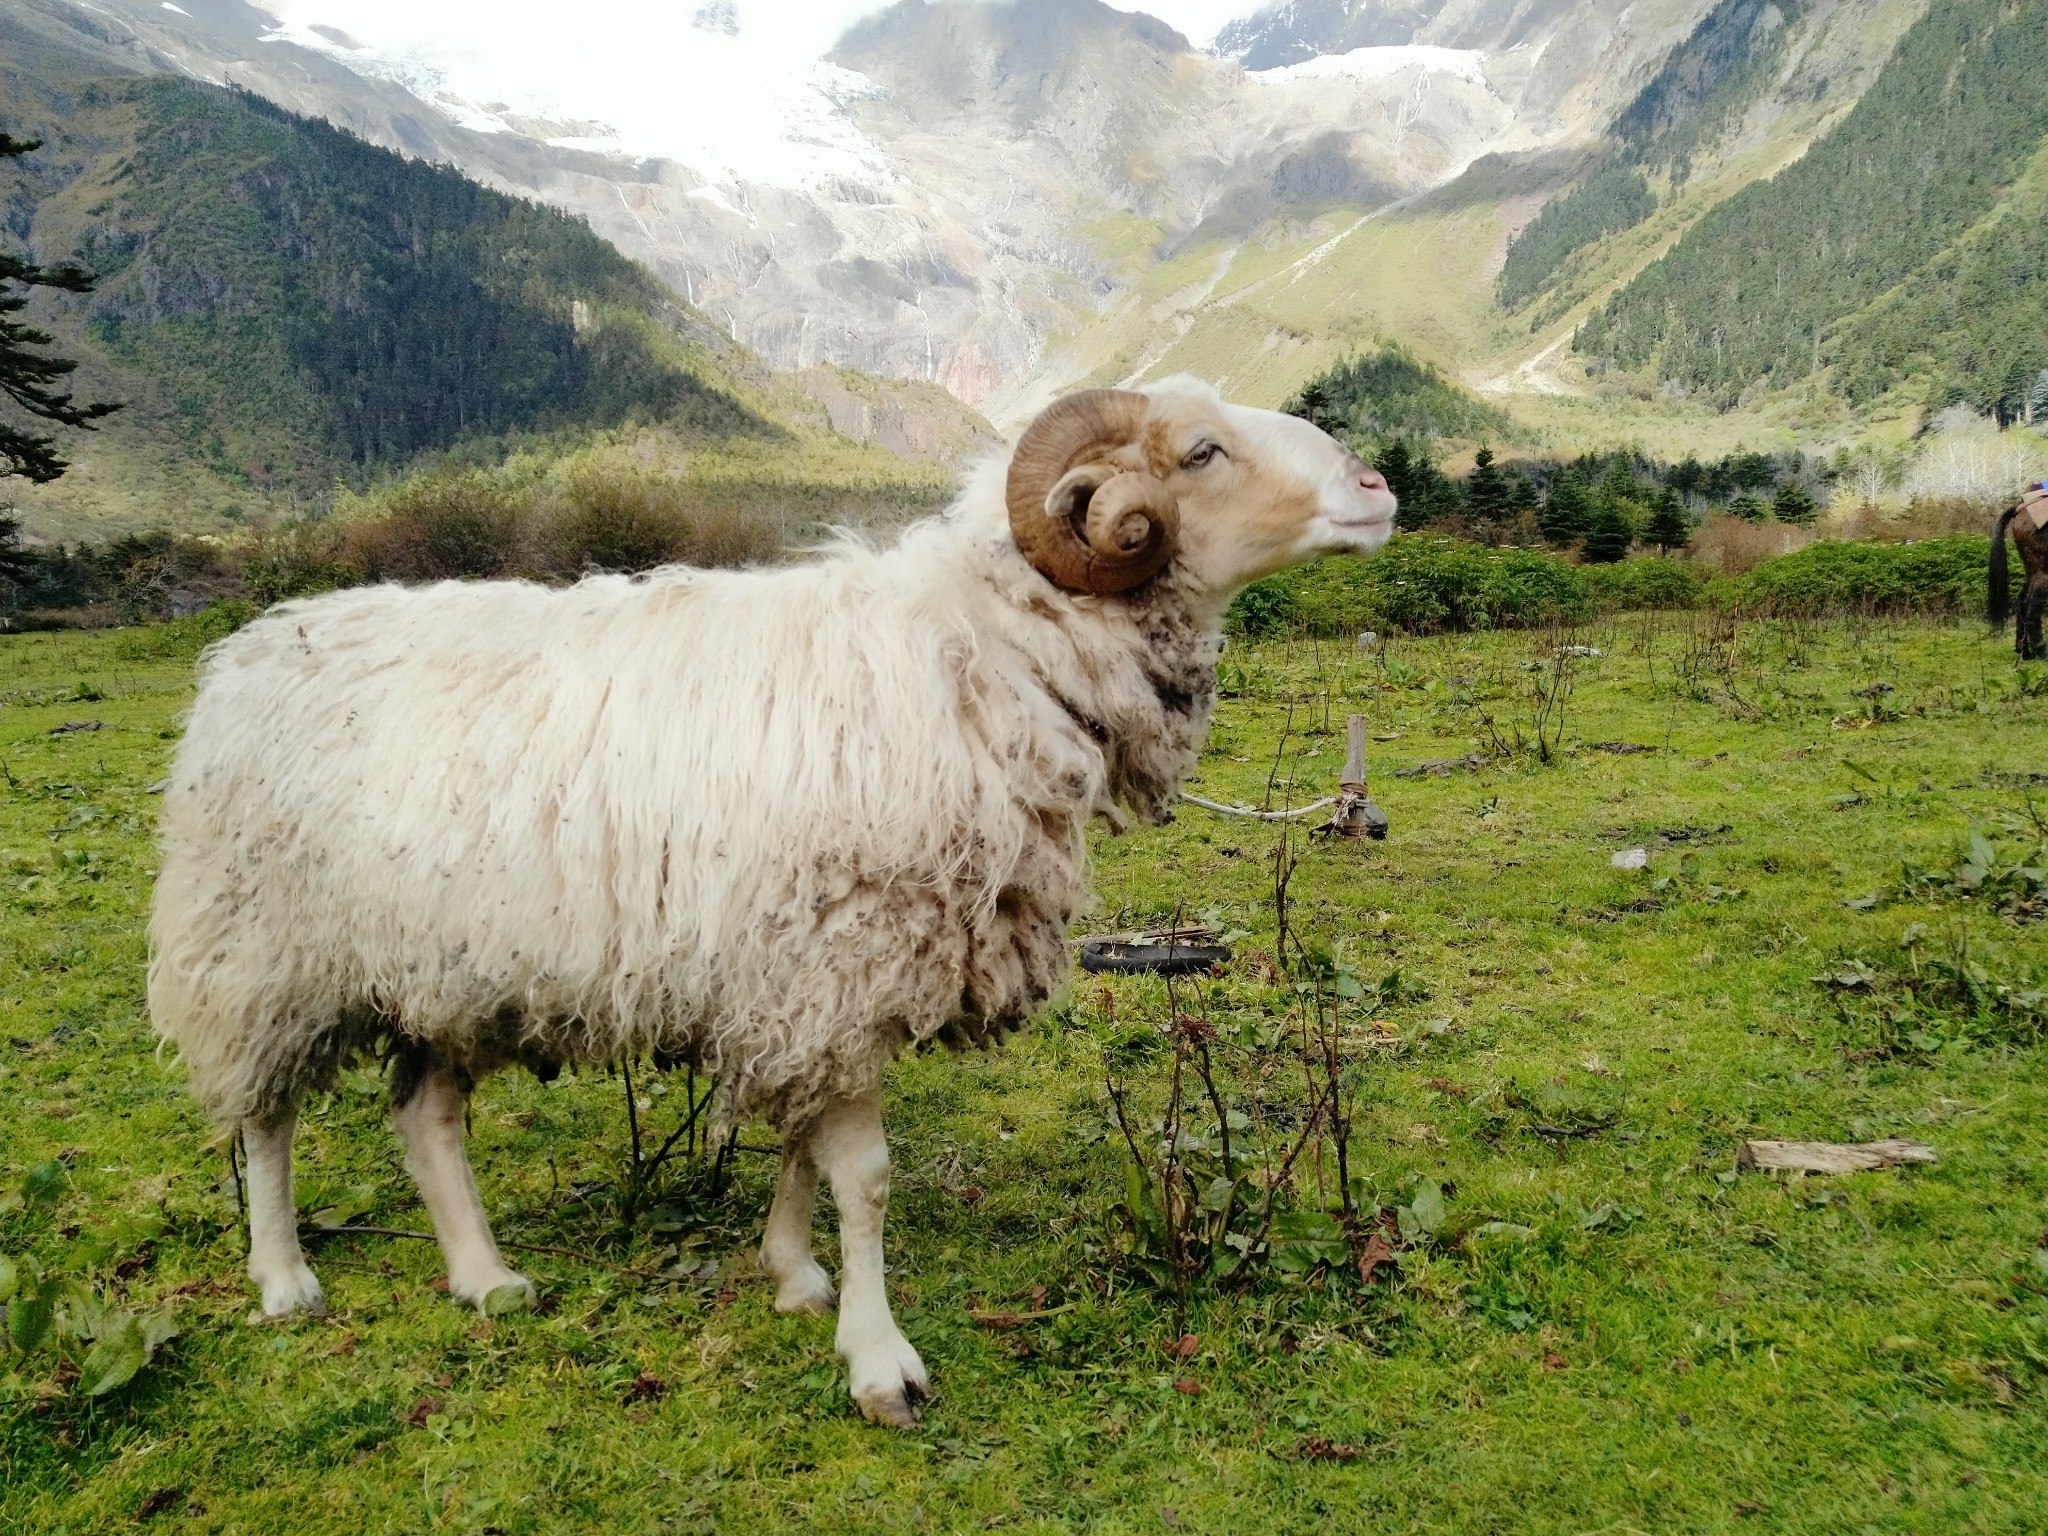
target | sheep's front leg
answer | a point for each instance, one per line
(887, 1378)
(276, 1262)
(429, 1121)
(801, 1284)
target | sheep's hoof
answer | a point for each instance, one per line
(898, 1412)
(806, 1291)
(895, 1392)
(496, 1294)
(293, 1291)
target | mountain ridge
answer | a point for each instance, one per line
(284, 306)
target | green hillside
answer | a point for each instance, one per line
(287, 303)
(1780, 281)
(288, 313)
(1714, 75)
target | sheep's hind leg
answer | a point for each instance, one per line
(887, 1378)
(276, 1262)
(428, 1114)
(801, 1284)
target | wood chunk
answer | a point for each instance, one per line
(1832, 1156)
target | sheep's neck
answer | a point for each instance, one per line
(1153, 662)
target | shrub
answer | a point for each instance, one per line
(439, 526)
(1419, 583)
(1732, 545)
(618, 519)
(1650, 583)
(1935, 577)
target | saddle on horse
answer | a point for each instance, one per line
(2033, 509)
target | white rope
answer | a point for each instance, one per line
(1245, 810)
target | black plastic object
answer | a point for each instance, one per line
(1172, 958)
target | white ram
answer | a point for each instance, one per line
(782, 824)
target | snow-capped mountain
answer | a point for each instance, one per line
(942, 189)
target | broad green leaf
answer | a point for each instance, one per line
(1303, 1239)
(1504, 1229)
(10, 1279)
(1423, 1214)
(158, 1329)
(115, 1357)
(31, 1314)
(44, 1184)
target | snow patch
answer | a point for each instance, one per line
(1377, 63)
(754, 104)
(178, 8)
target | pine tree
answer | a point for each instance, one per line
(1794, 503)
(28, 374)
(1751, 509)
(1608, 535)
(1486, 490)
(1418, 485)
(1619, 483)
(1669, 527)
(1567, 510)
(1316, 405)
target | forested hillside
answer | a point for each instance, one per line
(297, 303)
(1919, 199)
(1697, 95)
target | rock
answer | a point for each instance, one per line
(1631, 858)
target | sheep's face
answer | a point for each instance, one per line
(1109, 486)
(1258, 491)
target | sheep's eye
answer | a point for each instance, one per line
(1201, 456)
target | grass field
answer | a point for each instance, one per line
(1606, 1327)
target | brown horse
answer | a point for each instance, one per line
(2029, 522)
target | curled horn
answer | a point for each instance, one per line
(1086, 522)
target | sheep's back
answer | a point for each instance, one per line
(709, 807)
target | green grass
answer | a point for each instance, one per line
(1719, 1352)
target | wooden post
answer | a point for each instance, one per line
(1356, 814)
(1354, 758)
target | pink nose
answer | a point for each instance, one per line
(1370, 479)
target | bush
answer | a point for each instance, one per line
(1420, 584)
(1647, 583)
(1935, 577)
(439, 526)
(617, 519)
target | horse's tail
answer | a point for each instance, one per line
(2001, 583)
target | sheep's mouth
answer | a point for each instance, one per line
(1360, 522)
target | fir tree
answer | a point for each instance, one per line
(1751, 509)
(1418, 485)
(1317, 406)
(28, 374)
(1608, 535)
(1794, 503)
(1567, 510)
(1486, 489)
(1619, 483)
(1669, 527)
(1521, 496)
